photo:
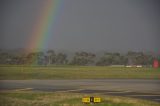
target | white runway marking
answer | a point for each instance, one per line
(119, 92)
(71, 90)
(24, 89)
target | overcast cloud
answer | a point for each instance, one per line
(114, 25)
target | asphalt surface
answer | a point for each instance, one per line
(136, 88)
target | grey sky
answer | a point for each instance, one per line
(113, 25)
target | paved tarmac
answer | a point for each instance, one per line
(136, 88)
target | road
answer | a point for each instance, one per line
(137, 88)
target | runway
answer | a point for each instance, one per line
(136, 88)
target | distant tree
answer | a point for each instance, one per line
(83, 58)
(79, 58)
(139, 58)
(22, 59)
(112, 59)
(36, 58)
(61, 58)
(105, 60)
(51, 57)
(4, 58)
(40, 58)
(31, 58)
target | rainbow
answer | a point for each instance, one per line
(44, 24)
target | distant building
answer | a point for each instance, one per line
(117, 65)
(139, 66)
(128, 66)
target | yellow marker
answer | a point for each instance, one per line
(86, 100)
(91, 100)
(97, 100)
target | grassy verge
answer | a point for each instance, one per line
(27, 98)
(76, 72)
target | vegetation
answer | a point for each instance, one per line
(79, 58)
(27, 98)
(75, 72)
(83, 58)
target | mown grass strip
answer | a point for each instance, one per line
(28, 98)
(77, 72)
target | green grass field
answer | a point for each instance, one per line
(27, 98)
(30, 98)
(76, 72)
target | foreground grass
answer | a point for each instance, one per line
(27, 98)
(76, 72)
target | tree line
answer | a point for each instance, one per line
(79, 58)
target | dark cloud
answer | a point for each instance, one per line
(116, 25)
